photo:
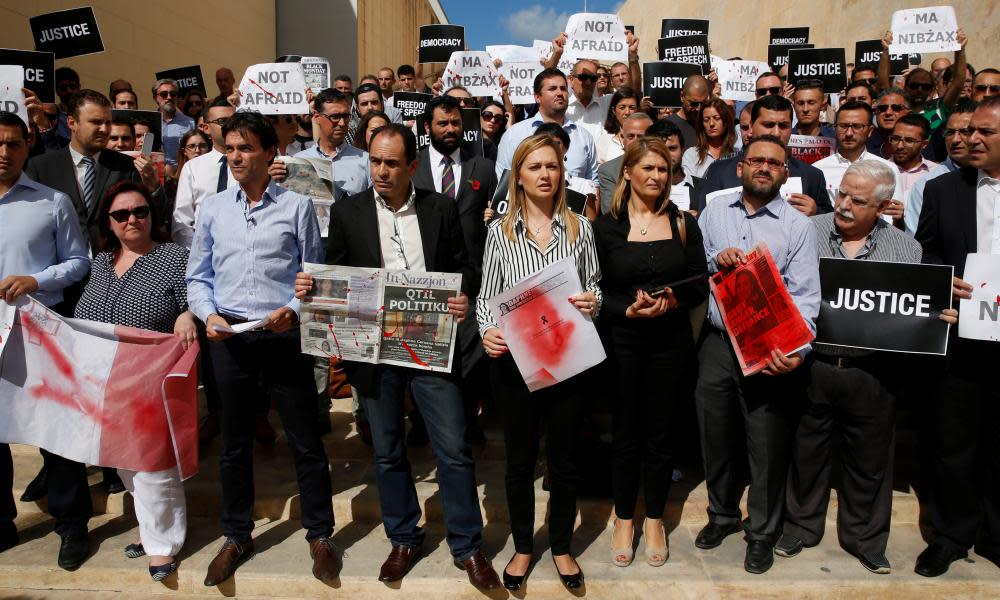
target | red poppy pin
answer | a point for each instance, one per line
(475, 184)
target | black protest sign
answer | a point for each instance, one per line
(472, 132)
(187, 78)
(683, 27)
(662, 81)
(67, 33)
(691, 49)
(150, 118)
(868, 52)
(789, 36)
(411, 104)
(39, 71)
(825, 64)
(777, 56)
(883, 305)
(437, 42)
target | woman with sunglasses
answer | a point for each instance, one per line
(716, 136)
(609, 142)
(493, 119)
(603, 81)
(139, 282)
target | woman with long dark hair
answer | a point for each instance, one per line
(716, 138)
(609, 142)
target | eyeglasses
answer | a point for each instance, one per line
(867, 80)
(859, 127)
(166, 94)
(335, 117)
(466, 102)
(982, 88)
(923, 87)
(881, 108)
(774, 91)
(898, 139)
(586, 77)
(120, 216)
(221, 121)
(193, 147)
(968, 131)
(490, 117)
(953, 132)
(770, 163)
(696, 103)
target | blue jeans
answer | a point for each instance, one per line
(440, 402)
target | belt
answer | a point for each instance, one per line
(233, 319)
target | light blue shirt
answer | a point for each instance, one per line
(789, 235)
(244, 260)
(40, 236)
(171, 134)
(351, 171)
(911, 214)
(581, 158)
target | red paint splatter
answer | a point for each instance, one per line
(413, 355)
(45, 391)
(262, 89)
(998, 298)
(548, 337)
(59, 359)
(340, 354)
(982, 285)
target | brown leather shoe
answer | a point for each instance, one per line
(230, 556)
(481, 573)
(398, 564)
(326, 559)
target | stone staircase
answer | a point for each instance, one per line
(281, 568)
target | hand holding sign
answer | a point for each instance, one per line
(474, 71)
(274, 89)
(12, 91)
(929, 29)
(67, 33)
(596, 36)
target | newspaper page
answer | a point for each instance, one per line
(342, 316)
(758, 311)
(418, 330)
(312, 177)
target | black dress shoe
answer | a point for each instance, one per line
(760, 557)
(112, 483)
(875, 562)
(936, 559)
(712, 534)
(512, 582)
(990, 555)
(73, 550)
(788, 546)
(572, 582)
(38, 488)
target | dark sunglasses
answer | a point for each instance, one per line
(992, 89)
(490, 117)
(121, 216)
(923, 87)
(695, 103)
(335, 117)
(881, 108)
(586, 77)
(867, 81)
(774, 91)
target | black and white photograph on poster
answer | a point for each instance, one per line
(39, 71)
(437, 42)
(145, 122)
(187, 78)
(67, 33)
(662, 81)
(883, 306)
(788, 36)
(411, 104)
(825, 64)
(691, 49)
(316, 72)
(777, 55)
(868, 52)
(682, 27)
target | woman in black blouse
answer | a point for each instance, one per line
(644, 244)
(139, 282)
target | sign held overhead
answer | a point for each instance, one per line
(39, 71)
(474, 71)
(930, 29)
(438, 42)
(274, 89)
(597, 36)
(67, 33)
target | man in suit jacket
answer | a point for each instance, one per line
(396, 226)
(957, 219)
(770, 115)
(635, 126)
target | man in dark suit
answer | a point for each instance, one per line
(396, 226)
(770, 115)
(957, 219)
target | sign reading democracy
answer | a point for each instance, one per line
(11, 94)
(597, 36)
(883, 306)
(738, 78)
(474, 71)
(187, 78)
(662, 81)
(867, 54)
(789, 36)
(824, 64)
(777, 56)
(691, 49)
(274, 89)
(979, 317)
(411, 104)
(39, 71)
(683, 27)
(438, 42)
(67, 33)
(521, 79)
(929, 29)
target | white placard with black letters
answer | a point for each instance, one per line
(596, 36)
(474, 71)
(928, 29)
(274, 89)
(738, 78)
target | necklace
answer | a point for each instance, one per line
(537, 230)
(644, 228)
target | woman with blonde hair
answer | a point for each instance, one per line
(537, 230)
(654, 268)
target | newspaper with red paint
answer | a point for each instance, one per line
(380, 316)
(758, 311)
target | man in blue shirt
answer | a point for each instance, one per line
(173, 123)
(42, 251)
(249, 243)
(763, 405)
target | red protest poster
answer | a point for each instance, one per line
(758, 311)
(810, 148)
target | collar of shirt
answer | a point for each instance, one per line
(22, 181)
(270, 195)
(840, 158)
(837, 240)
(521, 224)
(437, 157)
(925, 165)
(408, 205)
(983, 179)
(774, 207)
(568, 124)
(77, 157)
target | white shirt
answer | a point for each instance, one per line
(835, 165)
(590, 117)
(199, 179)
(609, 147)
(987, 214)
(437, 167)
(399, 234)
(80, 169)
(690, 164)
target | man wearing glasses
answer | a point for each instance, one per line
(587, 109)
(986, 84)
(694, 94)
(173, 123)
(910, 137)
(890, 105)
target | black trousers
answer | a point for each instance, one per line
(241, 363)
(853, 406)
(767, 409)
(559, 407)
(8, 510)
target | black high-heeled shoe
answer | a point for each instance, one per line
(513, 582)
(572, 582)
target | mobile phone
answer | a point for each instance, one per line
(147, 144)
(660, 290)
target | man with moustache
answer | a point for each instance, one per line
(759, 410)
(173, 123)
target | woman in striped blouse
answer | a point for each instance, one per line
(538, 230)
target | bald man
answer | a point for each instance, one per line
(225, 79)
(695, 92)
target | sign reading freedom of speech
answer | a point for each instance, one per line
(662, 81)
(274, 89)
(738, 78)
(868, 52)
(521, 76)
(883, 306)
(438, 42)
(474, 71)
(187, 78)
(683, 27)
(979, 317)
(930, 29)
(11, 96)
(411, 104)
(67, 33)
(777, 56)
(825, 64)
(39, 71)
(789, 36)
(597, 36)
(691, 49)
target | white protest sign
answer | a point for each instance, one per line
(514, 54)
(793, 185)
(738, 78)
(929, 29)
(11, 94)
(545, 52)
(316, 72)
(474, 71)
(597, 36)
(978, 317)
(274, 89)
(521, 76)
(680, 196)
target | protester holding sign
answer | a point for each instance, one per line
(558, 46)
(173, 123)
(810, 102)
(587, 109)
